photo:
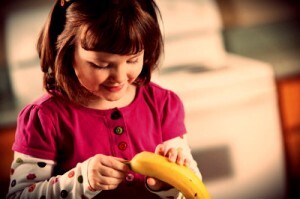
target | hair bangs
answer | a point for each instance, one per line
(115, 36)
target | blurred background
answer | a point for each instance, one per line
(234, 63)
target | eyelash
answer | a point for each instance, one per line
(132, 62)
(99, 67)
(108, 66)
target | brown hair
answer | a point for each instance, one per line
(114, 26)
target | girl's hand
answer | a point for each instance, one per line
(106, 172)
(174, 155)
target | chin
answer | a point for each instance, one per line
(110, 98)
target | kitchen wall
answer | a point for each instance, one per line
(21, 22)
(267, 30)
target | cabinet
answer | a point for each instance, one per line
(6, 140)
(289, 103)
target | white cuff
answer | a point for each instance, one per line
(88, 191)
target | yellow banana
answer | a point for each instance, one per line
(179, 176)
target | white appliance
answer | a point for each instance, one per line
(233, 125)
(230, 101)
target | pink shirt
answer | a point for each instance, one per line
(53, 129)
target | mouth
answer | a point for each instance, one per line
(113, 88)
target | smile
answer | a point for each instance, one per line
(113, 88)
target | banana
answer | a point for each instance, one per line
(179, 176)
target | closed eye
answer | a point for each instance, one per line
(93, 65)
(134, 61)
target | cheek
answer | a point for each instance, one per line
(94, 78)
(88, 79)
(79, 73)
(136, 72)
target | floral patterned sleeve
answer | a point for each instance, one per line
(32, 178)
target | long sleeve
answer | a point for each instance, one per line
(32, 178)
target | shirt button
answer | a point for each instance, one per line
(115, 115)
(130, 177)
(118, 130)
(122, 146)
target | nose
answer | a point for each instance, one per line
(119, 74)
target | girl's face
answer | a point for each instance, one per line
(108, 76)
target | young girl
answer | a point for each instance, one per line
(100, 108)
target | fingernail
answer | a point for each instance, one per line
(186, 162)
(172, 157)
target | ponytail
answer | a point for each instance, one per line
(46, 45)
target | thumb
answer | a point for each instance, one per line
(154, 184)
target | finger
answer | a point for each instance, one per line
(115, 163)
(187, 162)
(105, 186)
(103, 183)
(172, 154)
(160, 149)
(154, 184)
(110, 172)
(104, 180)
(180, 157)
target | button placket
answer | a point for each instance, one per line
(118, 130)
